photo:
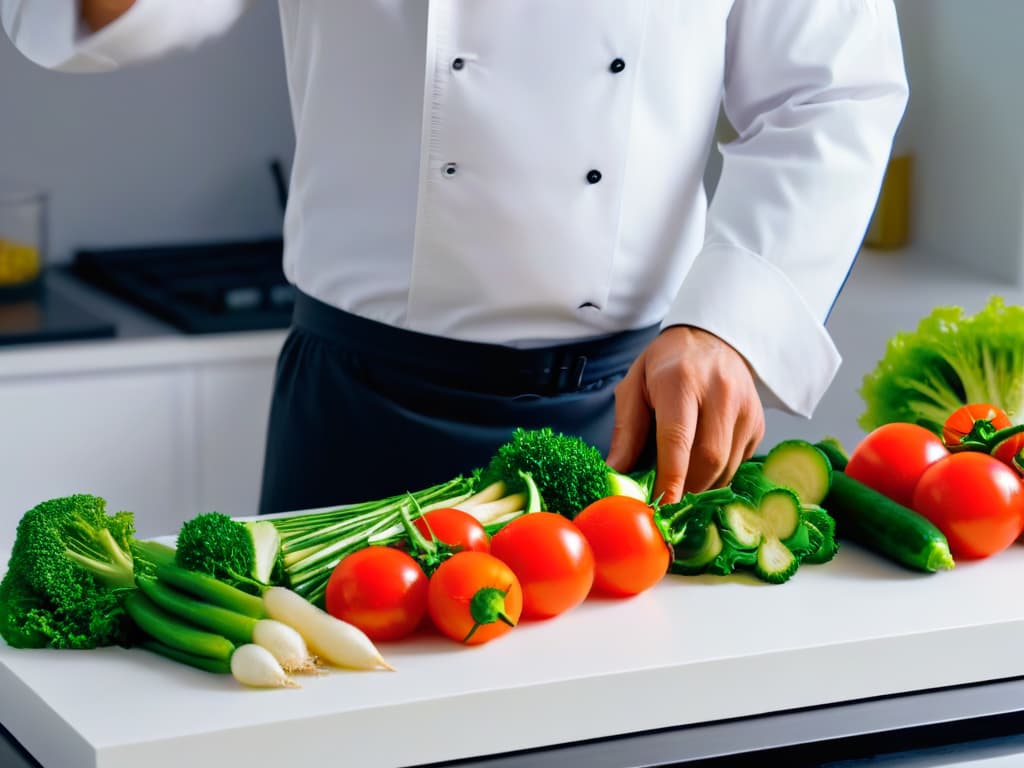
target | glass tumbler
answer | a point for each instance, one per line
(23, 230)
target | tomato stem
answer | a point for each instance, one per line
(429, 553)
(986, 440)
(486, 607)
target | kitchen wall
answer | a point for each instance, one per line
(965, 63)
(172, 150)
(963, 124)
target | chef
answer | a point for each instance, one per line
(497, 218)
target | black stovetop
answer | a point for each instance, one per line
(199, 288)
(45, 315)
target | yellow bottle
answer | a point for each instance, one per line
(890, 224)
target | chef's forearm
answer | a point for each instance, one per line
(99, 13)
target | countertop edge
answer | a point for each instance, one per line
(491, 723)
(83, 357)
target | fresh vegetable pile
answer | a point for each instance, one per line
(303, 550)
(251, 596)
(937, 476)
(768, 520)
(963, 476)
(474, 587)
(529, 537)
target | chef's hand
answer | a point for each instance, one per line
(99, 13)
(705, 407)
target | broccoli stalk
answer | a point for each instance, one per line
(70, 566)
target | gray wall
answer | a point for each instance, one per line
(965, 62)
(175, 150)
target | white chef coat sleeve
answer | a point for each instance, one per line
(50, 32)
(815, 91)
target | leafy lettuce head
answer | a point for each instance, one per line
(951, 359)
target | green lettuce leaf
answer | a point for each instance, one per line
(951, 359)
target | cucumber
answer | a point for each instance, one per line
(881, 525)
(833, 452)
(801, 466)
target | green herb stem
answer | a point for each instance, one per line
(176, 633)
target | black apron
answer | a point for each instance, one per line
(362, 410)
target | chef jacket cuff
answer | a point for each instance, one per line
(751, 305)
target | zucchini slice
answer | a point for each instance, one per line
(801, 466)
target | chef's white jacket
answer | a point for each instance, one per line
(515, 171)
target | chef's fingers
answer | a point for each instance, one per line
(714, 444)
(747, 434)
(676, 429)
(632, 422)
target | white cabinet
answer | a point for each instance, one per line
(232, 405)
(121, 436)
(163, 429)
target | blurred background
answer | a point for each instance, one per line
(170, 151)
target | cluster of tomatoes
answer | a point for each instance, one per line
(537, 566)
(966, 482)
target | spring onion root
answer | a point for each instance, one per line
(286, 645)
(336, 642)
(255, 666)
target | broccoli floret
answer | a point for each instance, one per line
(569, 472)
(949, 360)
(231, 550)
(70, 565)
(215, 544)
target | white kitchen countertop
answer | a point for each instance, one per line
(691, 650)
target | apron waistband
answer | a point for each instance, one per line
(482, 367)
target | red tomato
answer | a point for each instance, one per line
(892, 457)
(1009, 451)
(630, 554)
(381, 590)
(455, 528)
(551, 559)
(473, 597)
(975, 500)
(960, 423)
